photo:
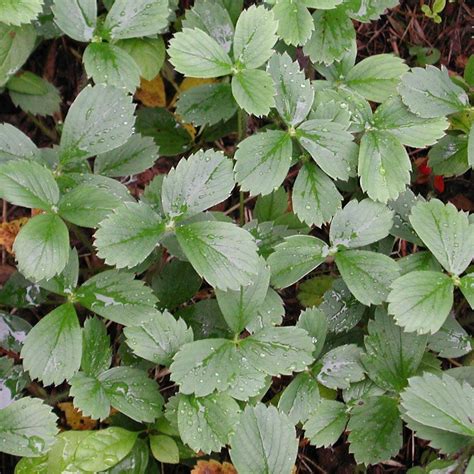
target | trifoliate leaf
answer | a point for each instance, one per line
(376, 77)
(394, 117)
(264, 441)
(137, 19)
(440, 402)
(360, 224)
(430, 92)
(129, 235)
(148, 53)
(15, 145)
(100, 119)
(263, 161)
(421, 301)
(295, 22)
(223, 254)
(103, 449)
(198, 183)
(331, 147)
(18, 12)
(342, 310)
(294, 93)
(196, 54)
(300, 398)
(110, 65)
(27, 428)
(255, 36)
(254, 91)
(368, 275)
(117, 296)
(333, 35)
(28, 184)
(159, 338)
(53, 348)
(16, 44)
(341, 367)
(315, 196)
(76, 18)
(207, 104)
(42, 247)
(392, 356)
(449, 157)
(446, 232)
(241, 366)
(451, 340)
(294, 258)
(375, 430)
(205, 423)
(384, 166)
(96, 354)
(326, 423)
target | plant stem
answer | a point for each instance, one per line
(241, 133)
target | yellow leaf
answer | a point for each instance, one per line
(213, 467)
(152, 93)
(75, 419)
(9, 231)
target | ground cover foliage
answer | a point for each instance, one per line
(239, 245)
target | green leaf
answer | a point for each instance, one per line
(100, 119)
(117, 296)
(42, 247)
(205, 423)
(368, 275)
(451, 340)
(255, 36)
(203, 180)
(375, 430)
(294, 258)
(254, 91)
(96, 353)
(15, 145)
(264, 441)
(196, 54)
(295, 23)
(272, 206)
(207, 104)
(440, 402)
(159, 338)
(27, 428)
(270, 313)
(164, 449)
(241, 366)
(103, 449)
(18, 12)
(470, 147)
(137, 19)
(129, 235)
(392, 356)
(367, 10)
(467, 288)
(16, 44)
(110, 65)
(28, 184)
(240, 307)
(294, 93)
(76, 18)
(421, 300)
(419, 261)
(299, 398)
(53, 348)
(148, 53)
(28, 83)
(135, 156)
(376, 78)
(430, 92)
(402, 207)
(333, 35)
(331, 147)
(326, 423)
(360, 224)
(384, 166)
(315, 196)
(446, 232)
(13, 331)
(449, 157)
(312, 290)
(263, 161)
(394, 117)
(223, 254)
(90, 396)
(341, 366)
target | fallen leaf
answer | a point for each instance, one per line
(9, 231)
(213, 467)
(75, 419)
(152, 93)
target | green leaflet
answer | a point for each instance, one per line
(18, 12)
(76, 18)
(15, 145)
(295, 23)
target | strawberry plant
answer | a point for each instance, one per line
(277, 283)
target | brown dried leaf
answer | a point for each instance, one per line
(9, 231)
(213, 467)
(152, 93)
(75, 419)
